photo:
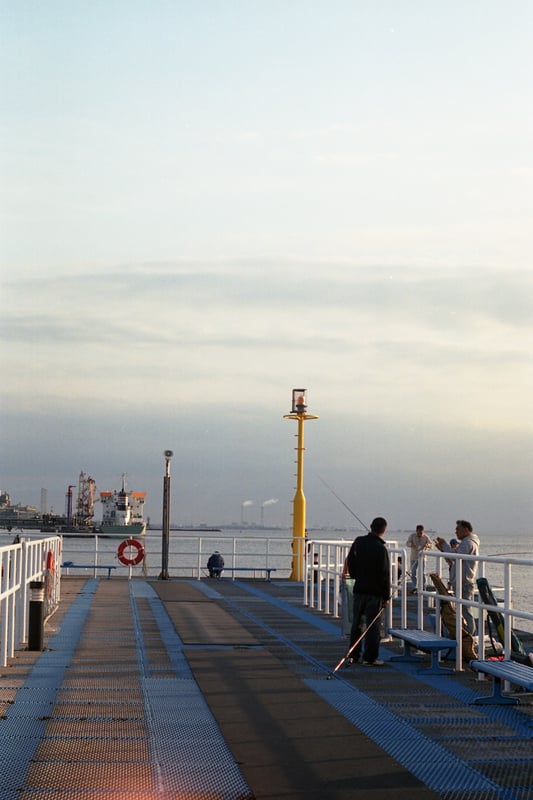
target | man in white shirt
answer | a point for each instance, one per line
(417, 542)
(468, 545)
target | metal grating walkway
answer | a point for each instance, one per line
(218, 691)
(461, 752)
(114, 713)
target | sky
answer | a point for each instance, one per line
(208, 204)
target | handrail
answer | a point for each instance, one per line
(21, 563)
(188, 554)
(323, 575)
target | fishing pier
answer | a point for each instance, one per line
(218, 689)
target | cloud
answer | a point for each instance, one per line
(213, 331)
(166, 299)
(419, 377)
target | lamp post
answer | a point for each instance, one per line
(164, 576)
(298, 412)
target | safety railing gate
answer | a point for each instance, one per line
(26, 566)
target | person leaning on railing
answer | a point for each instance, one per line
(468, 545)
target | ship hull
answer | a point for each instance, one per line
(29, 523)
(133, 530)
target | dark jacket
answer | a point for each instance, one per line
(215, 560)
(368, 564)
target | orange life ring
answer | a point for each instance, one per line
(127, 560)
(50, 561)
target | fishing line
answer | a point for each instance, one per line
(354, 645)
(343, 503)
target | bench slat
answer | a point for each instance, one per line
(423, 640)
(510, 671)
(219, 570)
(418, 637)
(71, 565)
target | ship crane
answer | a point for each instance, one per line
(68, 504)
(85, 506)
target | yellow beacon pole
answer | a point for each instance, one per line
(298, 412)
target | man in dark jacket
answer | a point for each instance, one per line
(215, 565)
(368, 564)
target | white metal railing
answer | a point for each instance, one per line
(21, 564)
(499, 569)
(323, 587)
(267, 553)
(187, 554)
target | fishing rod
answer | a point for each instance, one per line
(343, 503)
(354, 645)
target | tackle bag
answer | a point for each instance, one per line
(449, 618)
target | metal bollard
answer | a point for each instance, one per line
(36, 616)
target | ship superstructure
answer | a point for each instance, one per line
(123, 512)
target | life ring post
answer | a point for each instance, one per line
(50, 562)
(130, 552)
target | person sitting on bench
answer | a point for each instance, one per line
(215, 565)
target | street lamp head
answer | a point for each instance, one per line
(168, 453)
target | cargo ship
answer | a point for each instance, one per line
(122, 513)
(18, 516)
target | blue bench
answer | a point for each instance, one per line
(219, 570)
(70, 564)
(423, 640)
(511, 671)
